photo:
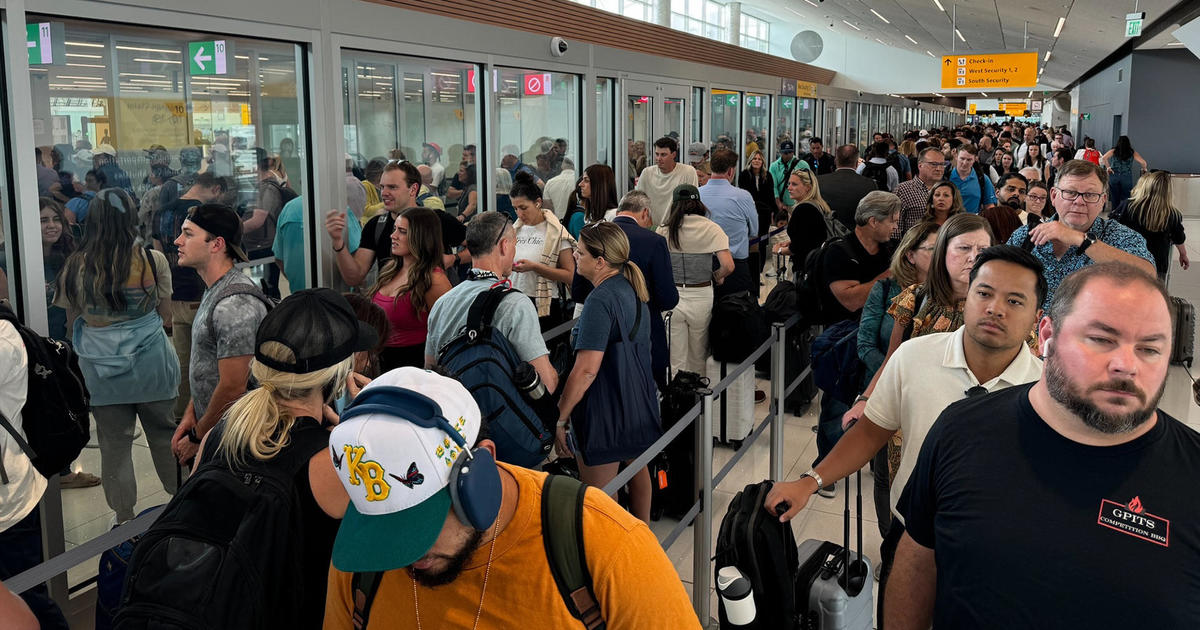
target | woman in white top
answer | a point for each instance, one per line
(544, 256)
(693, 239)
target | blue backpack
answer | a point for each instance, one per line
(483, 360)
(836, 368)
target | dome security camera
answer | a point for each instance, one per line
(558, 46)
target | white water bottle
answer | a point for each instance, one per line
(737, 594)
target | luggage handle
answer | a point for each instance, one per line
(855, 573)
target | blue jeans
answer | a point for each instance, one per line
(829, 425)
(21, 549)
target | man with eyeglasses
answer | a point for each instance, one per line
(928, 373)
(914, 193)
(491, 242)
(1078, 236)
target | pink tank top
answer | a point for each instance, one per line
(409, 327)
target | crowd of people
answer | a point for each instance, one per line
(941, 253)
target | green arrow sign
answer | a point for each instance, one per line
(208, 57)
(46, 43)
(732, 99)
(787, 102)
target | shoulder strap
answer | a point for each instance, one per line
(231, 290)
(363, 587)
(562, 533)
(24, 446)
(381, 226)
(637, 319)
(483, 309)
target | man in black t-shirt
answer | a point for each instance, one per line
(398, 188)
(849, 268)
(1069, 503)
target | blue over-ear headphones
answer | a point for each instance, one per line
(475, 489)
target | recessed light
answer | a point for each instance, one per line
(939, 6)
(960, 37)
(930, 54)
(851, 25)
(1047, 57)
(885, 20)
(1058, 29)
(910, 39)
(983, 94)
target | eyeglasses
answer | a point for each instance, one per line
(503, 231)
(1034, 197)
(588, 228)
(1072, 195)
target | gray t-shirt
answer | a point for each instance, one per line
(235, 320)
(516, 317)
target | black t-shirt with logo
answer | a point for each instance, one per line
(1032, 530)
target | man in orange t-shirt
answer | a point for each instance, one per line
(476, 560)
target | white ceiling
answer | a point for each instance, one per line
(1093, 28)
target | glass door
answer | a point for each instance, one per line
(755, 135)
(834, 136)
(653, 111)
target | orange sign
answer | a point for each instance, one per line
(989, 72)
(1013, 109)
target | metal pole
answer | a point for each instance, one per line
(702, 527)
(1025, 46)
(778, 385)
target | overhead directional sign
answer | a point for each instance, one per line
(1001, 70)
(208, 57)
(46, 43)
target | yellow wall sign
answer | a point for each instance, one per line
(971, 109)
(1003, 70)
(1013, 109)
(805, 89)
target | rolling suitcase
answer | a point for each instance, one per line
(1183, 314)
(734, 410)
(833, 586)
(797, 357)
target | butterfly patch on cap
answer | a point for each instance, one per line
(413, 478)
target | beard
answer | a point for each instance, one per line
(1014, 202)
(1068, 394)
(454, 565)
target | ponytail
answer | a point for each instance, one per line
(634, 275)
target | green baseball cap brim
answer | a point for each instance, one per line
(371, 543)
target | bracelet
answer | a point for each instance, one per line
(815, 477)
(343, 247)
(192, 437)
(562, 424)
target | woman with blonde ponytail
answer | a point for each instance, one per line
(608, 412)
(303, 356)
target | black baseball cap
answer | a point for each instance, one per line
(219, 219)
(684, 192)
(787, 146)
(318, 326)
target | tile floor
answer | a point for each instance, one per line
(87, 515)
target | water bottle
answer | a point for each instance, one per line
(527, 380)
(737, 594)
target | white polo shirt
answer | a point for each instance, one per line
(924, 376)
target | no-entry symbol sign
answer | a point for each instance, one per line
(537, 84)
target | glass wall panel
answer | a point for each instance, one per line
(539, 115)
(141, 117)
(725, 122)
(758, 123)
(639, 141)
(697, 114)
(605, 117)
(806, 117)
(674, 121)
(785, 119)
(852, 123)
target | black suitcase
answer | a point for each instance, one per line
(1183, 314)
(797, 356)
(673, 472)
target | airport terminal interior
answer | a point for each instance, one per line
(293, 113)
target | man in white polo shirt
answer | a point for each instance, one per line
(928, 373)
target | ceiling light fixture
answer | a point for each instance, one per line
(983, 94)
(1175, 44)
(910, 39)
(939, 95)
(851, 25)
(960, 37)
(885, 20)
(930, 54)
(1058, 29)
(939, 6)
(1030, 94)
(811, 2)
(1047, 57)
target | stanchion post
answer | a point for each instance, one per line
(778, 387)
(702, 528)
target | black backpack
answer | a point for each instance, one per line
(877, 172)
(737, 328)
(55, 416)
(810, 300)
(230, 290)
(764, 550)
(562, 532)
(227, 550)
(286, 193)
(483, 360)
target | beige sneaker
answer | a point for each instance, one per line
(79, 480)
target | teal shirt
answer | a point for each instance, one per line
(778, 169)
(289, 241)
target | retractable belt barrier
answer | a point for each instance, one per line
(700, 513)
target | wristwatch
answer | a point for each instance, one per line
(861, 398)
(815, 477)
(1088, 239)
